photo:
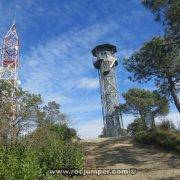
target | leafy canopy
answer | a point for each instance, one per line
(159, 58)
(140, 102)
(167, 12)
(155, 61)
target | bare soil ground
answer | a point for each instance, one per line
(151, 162)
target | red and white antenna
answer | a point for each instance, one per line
(9, 65)
(10, 56)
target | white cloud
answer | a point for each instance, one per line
(62, 61)
(127, 119)
(58, 97)
(61, 69)
(93, 128)
(172, 116)
(128, 82)
(126, 53)
(30, 11)
(90, 129)
(175, 116)
(88, 83)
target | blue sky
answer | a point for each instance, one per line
(57, 37)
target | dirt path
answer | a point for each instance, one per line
(151, 163)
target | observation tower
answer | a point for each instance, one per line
(105, 62)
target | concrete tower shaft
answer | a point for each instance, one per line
(105, 62)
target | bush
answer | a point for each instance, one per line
(166, 125)
(73, 157)
(18, 163)
(50, 156)
(136, 126)
(166, 139)
(101, 136)
(65, 133)
(56, 151)
(47, 149)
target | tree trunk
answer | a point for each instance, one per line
(174, 95)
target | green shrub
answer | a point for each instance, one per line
(136, 127)
(101, 136)
(73, 157)
(165, 139)
(18, 163)
(50, 155)
(58, 154)
(45, 150)
(64, 132)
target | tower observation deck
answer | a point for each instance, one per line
(105, 62)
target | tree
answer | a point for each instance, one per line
(167, 12)
(64, 132)
(136, 126)
(53, 114)
(140, 103)
(159, 62)
(16, 113)
(159, 59)
(49, 145)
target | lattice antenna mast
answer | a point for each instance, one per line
(9, 68)
(105, 62)
(10, 56)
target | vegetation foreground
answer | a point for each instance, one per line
(37, 139)
(35, 155)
